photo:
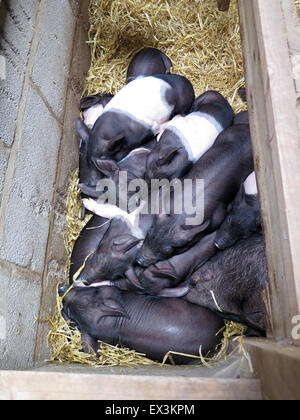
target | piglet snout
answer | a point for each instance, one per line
(220, 244)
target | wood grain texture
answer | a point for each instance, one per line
(30, 385)
(278, 367)
(272, 105)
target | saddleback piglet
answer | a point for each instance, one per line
(148, 62)
(92, 107)
(134, 164)
(116, 252)
(243, 217)
(150, 325)
(232, 281)
(223, 167)
(135, 114)
(187, 137)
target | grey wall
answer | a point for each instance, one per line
(43, 59)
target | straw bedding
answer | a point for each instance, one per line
(204, 45)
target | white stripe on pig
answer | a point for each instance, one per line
(91, 115)
(250, 184)
(110, 211)
(139, 100)
(197, 131)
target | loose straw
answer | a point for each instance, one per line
(204, 45)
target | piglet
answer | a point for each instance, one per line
(148, 62)
(87, 242)
(187, 137)
(134, 165)
(223, 167)
(241, 118)
(163, 277)
(232, 281)
(92, 107)
(116, 252)
(150, 325)
(135, 114)
(243, 217)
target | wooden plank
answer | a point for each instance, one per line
(276, 144)
(278, 368)
(30, 385)
(223, 5)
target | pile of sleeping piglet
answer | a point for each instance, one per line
(165, 280)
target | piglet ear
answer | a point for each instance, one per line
(114, 142)
(189, 232)
(89, 191)
(240, 197)
(125, 242)
(99, 98)
(111, 307)
(106, 167)
(167, 155)
(89, 101)
(82, 130)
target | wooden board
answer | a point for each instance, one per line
(278, 368)
(272, 104)
(30, 385)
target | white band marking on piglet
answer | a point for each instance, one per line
(250, 185)
(92, 114)
(144, 100)
(197, 132)
(110, 211)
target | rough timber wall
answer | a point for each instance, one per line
(38, 77)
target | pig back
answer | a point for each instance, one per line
(224, 166)
(159, 325)
(232, 281)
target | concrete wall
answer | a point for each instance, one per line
(43, 58)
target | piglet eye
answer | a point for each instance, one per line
(168, 250)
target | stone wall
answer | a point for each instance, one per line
(43, 59)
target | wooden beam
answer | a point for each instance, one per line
(278, 368)
(272, 105)
(32, 385)
(223, 5)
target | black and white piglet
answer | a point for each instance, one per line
(135, 114)
(134, 164)
(187, 137)
(115, 254)
(243, 217)
(147, 62)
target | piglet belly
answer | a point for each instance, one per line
(144, 100)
